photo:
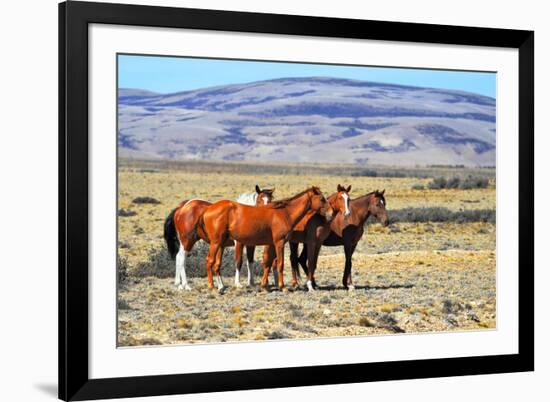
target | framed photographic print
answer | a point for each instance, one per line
(259, 201)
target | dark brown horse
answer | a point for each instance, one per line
(346, 231)
(312, 231)
(269, 225)
(261, 197)
(181, 234)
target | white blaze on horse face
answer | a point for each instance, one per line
(346, 203)
(265, 200)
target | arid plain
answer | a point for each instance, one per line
(432, 269)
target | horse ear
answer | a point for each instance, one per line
(383, 191)
(258, 189)
(340, 188)
(348, 189)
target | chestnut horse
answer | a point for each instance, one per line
(269, 225)
(180, 232)
(260, 197)
(347, 231)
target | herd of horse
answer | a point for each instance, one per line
(257, 219)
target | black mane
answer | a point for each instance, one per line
(284, 202)
(375, 193)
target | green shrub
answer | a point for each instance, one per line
(437, 183)
(440, 214)
(466, 183)
(474, 182)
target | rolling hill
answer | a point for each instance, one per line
(312, 119)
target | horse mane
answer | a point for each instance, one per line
(284, 202)
(376, 193)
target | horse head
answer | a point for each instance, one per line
(319, 203)
(340, 202)
(265, 196)
(377, 207)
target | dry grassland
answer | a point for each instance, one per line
(410, 277)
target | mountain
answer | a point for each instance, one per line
(315, 119)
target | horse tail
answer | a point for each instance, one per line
(171, 235)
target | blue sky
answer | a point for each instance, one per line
(173, 74)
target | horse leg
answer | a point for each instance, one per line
(303, 258)
(250, 264)
(313, 254)
(349, 248)
(269, 253)
(280, 252)
(210, 259)
(217, 265)
(181, 277)
(267, 262)
(238, 262)
(275, 272)
(294, 263)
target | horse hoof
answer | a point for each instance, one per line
(184, 287)
(238, 285)
(264, 289)
(351, 288)
(284, 289)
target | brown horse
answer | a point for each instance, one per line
(347, 231)
(181, 234)
(260, 197)
(312, 231)
(252, 226)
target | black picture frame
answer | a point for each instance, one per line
(74, 18)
